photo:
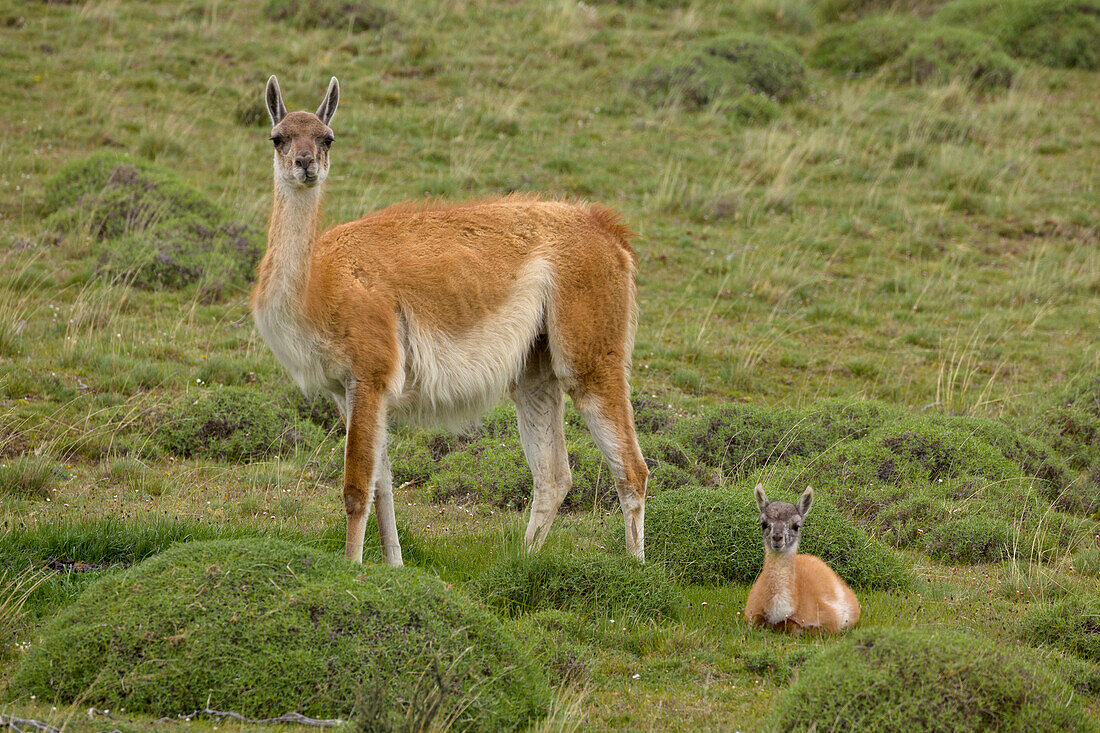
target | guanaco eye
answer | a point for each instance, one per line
(326, 141)
(763, 525)
(795, 527)
(277, 140)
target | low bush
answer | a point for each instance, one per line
(713, 535)
(848, 10)
(232, 424)
(970, 539)
(727, 68)
(149, 227)
(182, 631)
(1072, 624)
(926, 680)
(1059, 33)
(1071, 422)
(486, 470)
(862, 47)
(29, 476)
(355, 16)
(940, 54)
(584, 583)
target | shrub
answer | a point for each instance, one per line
(918, 680)
(485, 470)
(725, 68)
(29, 476)
(862, 47)
(181, 631)
(940, 54)
(711, 535)
(583, 583)
(970, 539)
(150, 227)
(1071, 624)
(232, 424)
(1060, 33)
(1071, 424)
(354, 16)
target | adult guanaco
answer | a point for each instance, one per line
(429, 314)
(796, 592)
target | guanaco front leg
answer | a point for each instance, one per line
(387, 521)
(362, 454)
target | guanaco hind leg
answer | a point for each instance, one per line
(384, 512)
(540, 409)
(609, 418)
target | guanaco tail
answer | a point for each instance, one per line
(429, 314)
(796, 592)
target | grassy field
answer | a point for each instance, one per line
(868, 259)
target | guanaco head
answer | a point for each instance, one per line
(301, 139)
(781, 522)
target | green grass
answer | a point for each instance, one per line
(885, 289)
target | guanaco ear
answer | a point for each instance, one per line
(761, 497)
(805, 501)
(332, 99)
(275, 107)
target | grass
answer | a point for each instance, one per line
(883, 289)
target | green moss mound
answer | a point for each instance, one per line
(1072, 624)
(233, 424)
(1071, 422)
(711, 535)
(941, 54)
(583, 583)
(849, 10)
(916, 680)
(863, 47)
(355, 16)
(1058, 33)
(258, 625)
(149, 227)
(725, 68)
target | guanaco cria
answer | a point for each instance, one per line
(431, 313)
(796, 592)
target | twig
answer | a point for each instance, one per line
(296, 718)
(12, 722)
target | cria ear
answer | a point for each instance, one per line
(275, 107)
(805, 501)
(332, 99)
(761, 497)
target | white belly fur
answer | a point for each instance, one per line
(449, 380)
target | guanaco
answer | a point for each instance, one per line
(428, 314)
(795, 592)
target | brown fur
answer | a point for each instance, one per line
(796, 592)
(385, 312)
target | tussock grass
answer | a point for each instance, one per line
(925, 680)
(864, 46)
(579, 583)
(30, 476)
(333, 637)
(713, 535)
(940, 54)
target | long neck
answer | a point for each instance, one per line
(284, 270)
(780, 566)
